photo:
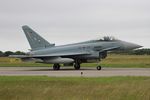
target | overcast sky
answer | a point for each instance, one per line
(69, 21)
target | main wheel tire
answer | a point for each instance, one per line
(77, 66)
(56, 67)
(99, 67)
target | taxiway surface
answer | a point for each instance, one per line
(70, 72)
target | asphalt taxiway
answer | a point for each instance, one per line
(70, 72)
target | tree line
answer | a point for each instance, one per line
(133, 52)
(7, 53)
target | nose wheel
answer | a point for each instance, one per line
(98, 67)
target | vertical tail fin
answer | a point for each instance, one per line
(36, 41)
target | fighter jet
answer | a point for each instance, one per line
(72, 54)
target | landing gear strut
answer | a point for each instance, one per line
(56, 67)
(98, 67)
(77, 65)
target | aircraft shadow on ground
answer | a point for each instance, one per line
(64, 69)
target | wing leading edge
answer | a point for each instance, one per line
(49, 55)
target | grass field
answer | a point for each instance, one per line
(69, 88)
(137, 61)
(130, 61)
(13, 62)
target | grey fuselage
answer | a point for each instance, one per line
(96, 49)
(89, 51)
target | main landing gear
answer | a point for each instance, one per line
(77, 66)
(56, 66)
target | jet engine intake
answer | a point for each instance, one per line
(103, 55)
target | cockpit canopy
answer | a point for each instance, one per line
(103, 39)
(107, 38)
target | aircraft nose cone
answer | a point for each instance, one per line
(137, 46)
(130, 46)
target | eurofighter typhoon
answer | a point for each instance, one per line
(72, 54)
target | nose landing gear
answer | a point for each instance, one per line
(99, 67)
